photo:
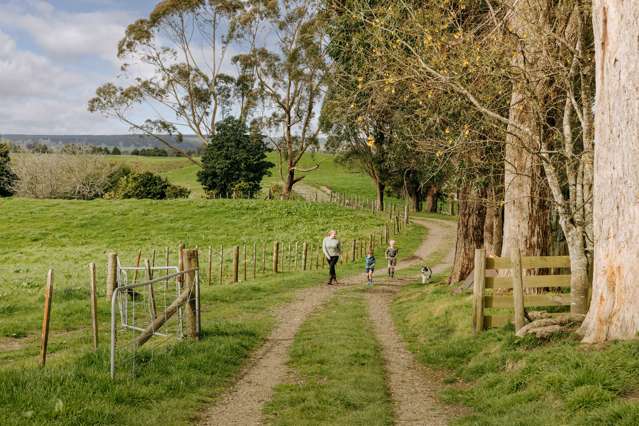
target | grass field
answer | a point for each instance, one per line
(67, 235)
(329, 175)
(170, 385)
(507, 380)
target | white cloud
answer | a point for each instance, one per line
(64, 34)
(39, 95)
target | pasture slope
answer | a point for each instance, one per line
(168, 384)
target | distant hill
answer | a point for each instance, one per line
(124, 142)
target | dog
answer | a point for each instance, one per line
(427, 273)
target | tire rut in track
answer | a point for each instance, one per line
(243, 403)
(412, 387)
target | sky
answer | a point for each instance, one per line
(53, 55)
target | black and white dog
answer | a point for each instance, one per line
(427, 273)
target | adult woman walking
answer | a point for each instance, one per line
(332, 249)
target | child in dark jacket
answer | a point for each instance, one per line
(370, 266)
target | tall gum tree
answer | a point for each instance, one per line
(288, 62)
(614, 309)
(176, 63)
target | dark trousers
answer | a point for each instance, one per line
(332, 261)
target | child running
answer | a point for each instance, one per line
(391, 256)
(370, 266)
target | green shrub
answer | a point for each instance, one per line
(147, 185)
(7, 177)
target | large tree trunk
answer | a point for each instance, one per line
(526, 209)
(415, 196)
(614, 310)
(493, 226)
(288, 185)
(470, 231)
(430, 202)
(380, 186)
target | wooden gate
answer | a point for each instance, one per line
(511, 289)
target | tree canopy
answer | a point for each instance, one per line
(234, 162)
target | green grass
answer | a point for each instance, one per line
(187, 177)
(170, 384)
(338, 369)
(151, 164)
(507, 380)
(330, 174)
(67, 235)
(340, 178)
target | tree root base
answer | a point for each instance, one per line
(544, 326)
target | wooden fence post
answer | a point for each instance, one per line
(304, 255)
(354, 251)
(276, 256)
(138, 259)
(94, 305)
(236, 263)
(479, 284)
(44, 337)
(149, 276)
(112, 275)
(254, 259)
(191, 263)
(222, 264)
(264, 257)
(245, 259)
(406, 214)
(210, 265)
(295, 255)
(518, 289)
(180, 278)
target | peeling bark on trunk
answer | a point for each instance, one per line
(614, 310)
(526, 211)
(470, 231)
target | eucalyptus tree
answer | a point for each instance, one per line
(289, 66)
(614, 309)
(177, 62)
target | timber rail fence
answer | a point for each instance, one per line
(514, 291)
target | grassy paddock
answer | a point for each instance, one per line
(338, 368)
(67, 235)
(170, 384)
(507, 380)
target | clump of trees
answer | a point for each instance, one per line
(7, 177)
(234, 162)
(150, 152)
